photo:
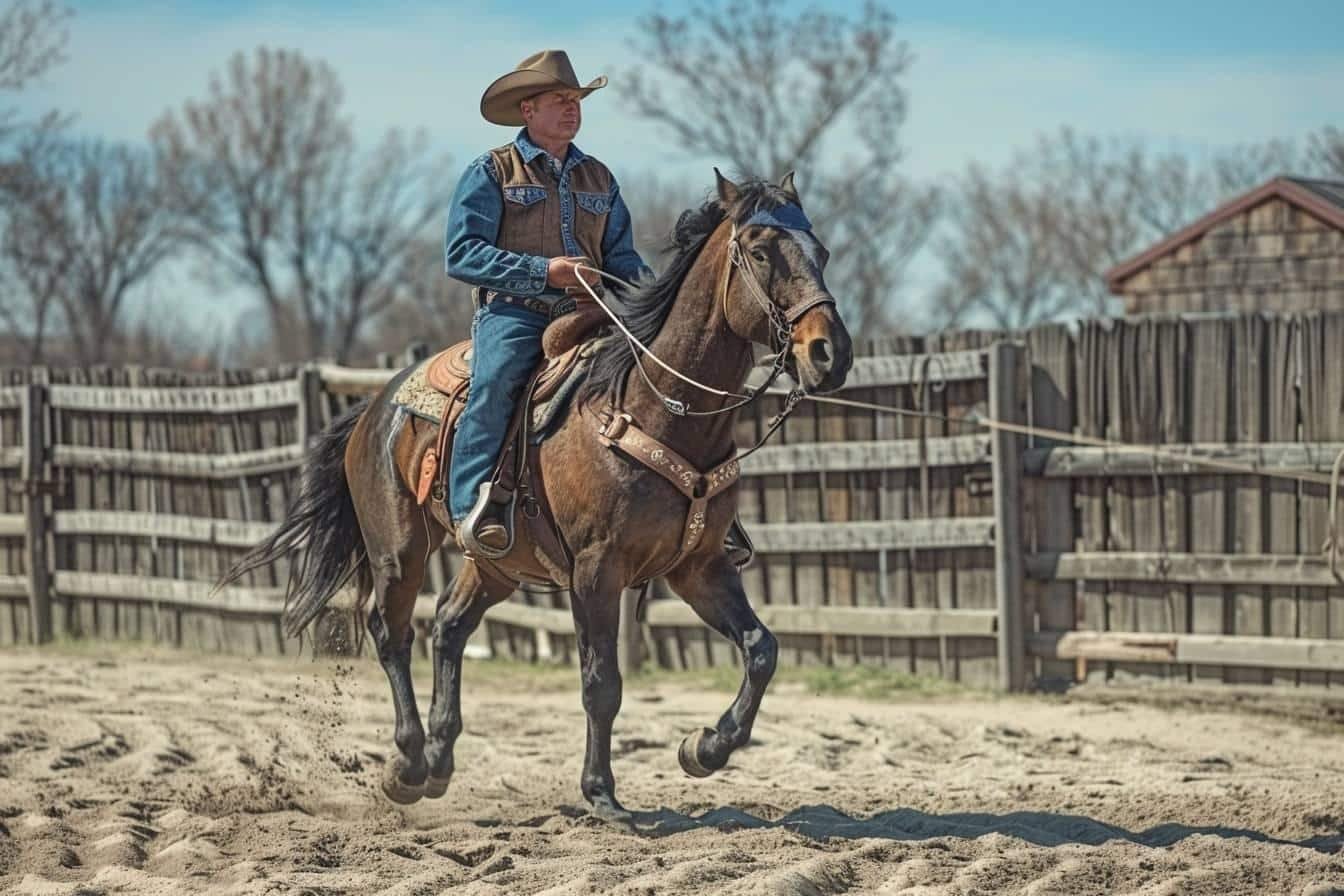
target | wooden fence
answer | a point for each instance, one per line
(1175, 568)
(921, 541)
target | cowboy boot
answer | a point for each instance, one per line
(485, 530)
(737, 544)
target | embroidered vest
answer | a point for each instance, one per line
(534, 205)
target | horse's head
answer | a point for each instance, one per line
(773, 291)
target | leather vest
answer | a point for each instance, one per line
(535, 205)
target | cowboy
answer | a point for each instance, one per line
(523, 218)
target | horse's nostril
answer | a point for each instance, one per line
(819, 352)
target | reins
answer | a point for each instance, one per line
(781, 322)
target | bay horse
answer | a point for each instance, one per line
(746, 269)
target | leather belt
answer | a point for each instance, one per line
(550, 310)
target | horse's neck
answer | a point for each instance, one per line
(696, 340)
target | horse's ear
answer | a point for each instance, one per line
(786, 184)
(728, 191)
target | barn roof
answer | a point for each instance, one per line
(1322, 198)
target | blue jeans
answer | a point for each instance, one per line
(506, 348)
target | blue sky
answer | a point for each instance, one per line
(1187, 28)
(987, 78)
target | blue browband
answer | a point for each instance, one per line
(790, 217)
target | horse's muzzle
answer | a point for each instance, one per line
(822, 351)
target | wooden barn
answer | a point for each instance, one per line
(1279, 247)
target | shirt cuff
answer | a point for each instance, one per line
(535, 283)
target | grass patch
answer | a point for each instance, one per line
(866, 682)
(518, 676)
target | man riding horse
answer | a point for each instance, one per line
(638, 479)
(524, 218)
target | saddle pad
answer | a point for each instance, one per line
(418, 397)
(423, 400)
(546, 415)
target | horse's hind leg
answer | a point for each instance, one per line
(460, 609)
(714, 590)
(398, 570)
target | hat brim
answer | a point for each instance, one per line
(499, 103)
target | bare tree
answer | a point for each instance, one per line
(1000, 255)
(269, 183)
(1085, 204)
(744, 83)
(32, 41)
(32, 266)
(429, 307)
(85, 226)
(166, 333)
(656, 203)
(1325, 153)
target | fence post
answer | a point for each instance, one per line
(1005, 404)
(35, 481)
(1048, 504)
(630, 639)
(311, 404)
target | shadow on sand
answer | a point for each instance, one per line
(1040, 828)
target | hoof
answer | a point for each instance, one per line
(435, 787)
(607, 809)
(397, 790)
(688, 754)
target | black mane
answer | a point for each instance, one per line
(647, 308)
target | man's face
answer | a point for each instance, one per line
(553, 115)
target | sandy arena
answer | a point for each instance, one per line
(127, 770)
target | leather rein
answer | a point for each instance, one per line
(781, 322)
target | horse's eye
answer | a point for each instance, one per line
(758, 254)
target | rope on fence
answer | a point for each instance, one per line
(1334, 537)
(1155, 451)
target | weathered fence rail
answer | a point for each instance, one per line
(922, 541)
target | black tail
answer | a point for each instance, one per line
(320, 534)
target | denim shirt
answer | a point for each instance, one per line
(470, 253)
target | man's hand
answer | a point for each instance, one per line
(561, 272)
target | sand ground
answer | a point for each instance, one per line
(126, 770)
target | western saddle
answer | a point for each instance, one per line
(514, 480)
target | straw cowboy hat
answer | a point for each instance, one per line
(538, 73)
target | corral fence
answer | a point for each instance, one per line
(920, 540)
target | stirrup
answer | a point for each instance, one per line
(737, 544)
(503, 500)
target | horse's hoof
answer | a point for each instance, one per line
(397, 790)
(435, 787)
(688, 754)
(607, 809)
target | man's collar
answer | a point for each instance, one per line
(530, 150)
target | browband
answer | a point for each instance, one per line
(789, 217)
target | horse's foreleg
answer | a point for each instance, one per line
(596, 608)
(714, 590)
(389, 623)
(460, 609)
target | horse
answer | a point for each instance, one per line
(745, 268)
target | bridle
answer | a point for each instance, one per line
(780, 320)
